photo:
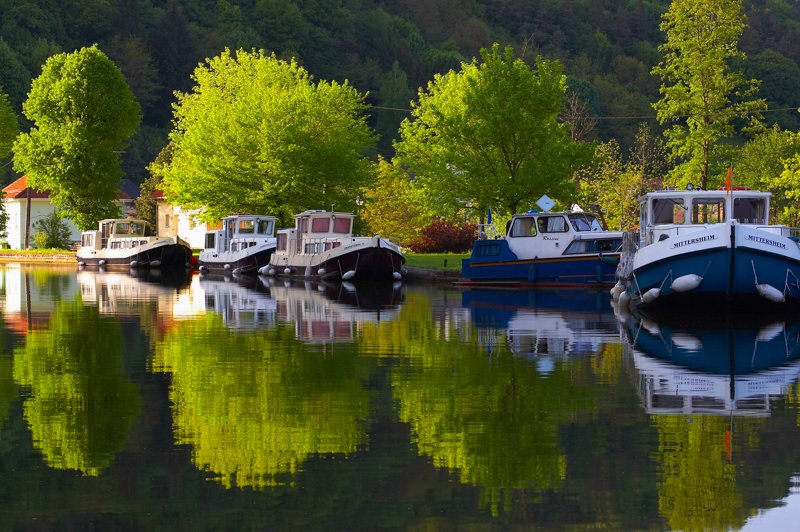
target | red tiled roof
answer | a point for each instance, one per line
(157, 194)
(18, 190)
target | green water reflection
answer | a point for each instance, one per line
(81, 405)
(213, 404)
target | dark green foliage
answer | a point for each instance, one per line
(606, 46)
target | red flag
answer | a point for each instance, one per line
(729, 180)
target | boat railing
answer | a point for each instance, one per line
(312, 246)
(488, 232)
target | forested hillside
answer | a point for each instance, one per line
(389, 48)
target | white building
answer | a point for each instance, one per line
(174, 221)
(19, 199)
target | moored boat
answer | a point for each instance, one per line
(710, 248)
(126, 243)
(544, 248)
(243, 245)
(322, 246)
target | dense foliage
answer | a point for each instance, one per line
(387, 48)
(442, 236)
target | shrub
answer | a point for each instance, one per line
(51, 232)
(444, 237)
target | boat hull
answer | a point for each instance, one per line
(362, 263)
(506, 269)
(740, 271)
(162, 255)
(238, 262)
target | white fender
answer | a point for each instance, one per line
(264, 270)
(687, 341)
(651, 295)
(272, 271)
(397, 276)
(770, 332)
(155, 263)
(102, 262)
(624, 300)
(133, 263)
(684, 283)
(616, 290)
(287, 271)
(651, 327)
(768, 291)
(349, 274)
(321, 271)
(227, 266)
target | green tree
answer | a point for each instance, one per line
(83, 112)
(488, 135)
(256, 134)
(9, 126)
(51, 232)
(394, 207)
(769, 162)
(702, 96)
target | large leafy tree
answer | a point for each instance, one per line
(702, 95)
(9, 126)
(489, 136)
(257, 134)
(82, 113)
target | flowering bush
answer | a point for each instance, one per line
(444, 237)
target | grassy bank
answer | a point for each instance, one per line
(436, 261)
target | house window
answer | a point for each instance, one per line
(167, 220)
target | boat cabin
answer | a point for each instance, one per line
(315, 232)
(539, 234)
(668, 213)
(118, 234)
(240, 232)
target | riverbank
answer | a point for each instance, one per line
(44, 257)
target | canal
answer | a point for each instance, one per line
(157, 402)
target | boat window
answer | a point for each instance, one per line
(487, 250)
(585, 222)
(552, 224)
(211, 240)
(750, 210)
(265, 227)
(708, 211)
(668, 211)
(87, 240)
(341, 225)
(246, 227)
(320, 225)
(302, 225)
(138, 228)
(282, 239)
(600, 245)
(523, 227)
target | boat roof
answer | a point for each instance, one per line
(312, 212)
(697, 193)
(551, 213)
(249, 217)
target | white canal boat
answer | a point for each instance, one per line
(128, 243)
(243, 245)
(322, 246)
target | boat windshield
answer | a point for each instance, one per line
(584, 222)
(750, 210)
(132, 228)
(668, 211)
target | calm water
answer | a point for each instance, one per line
(207, 404)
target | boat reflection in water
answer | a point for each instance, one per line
(544, 322)
(123, 293)
(731, 365)
(323, 312)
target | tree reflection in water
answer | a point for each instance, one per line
(81, 405)
(255, 404)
